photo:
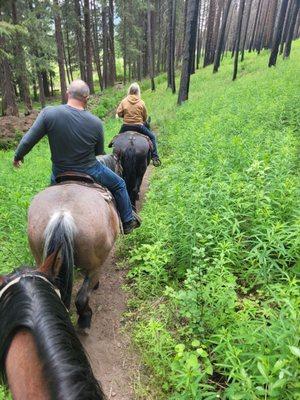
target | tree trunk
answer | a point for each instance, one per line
(287, 49)
(150, 45)
(255, 26)
(111, 44)
(278, 33)
(79, 40)
(209, 55)
(194, 39)
(88, 46)
(171, 45)
(246, 31)
(45, 83)
(21, 71)
(9, 105)
(221, 37)
(238, 38)
(41, 89)
(272, 22)
(105, 46)
(60, 51)
(193, 7)
(96, 47)
(287, 22)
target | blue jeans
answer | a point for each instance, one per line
(144, 131)
(110, 180)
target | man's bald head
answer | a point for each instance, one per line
(79, 90)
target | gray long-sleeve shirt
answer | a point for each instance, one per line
(75, 136)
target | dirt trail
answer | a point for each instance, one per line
(113, 363)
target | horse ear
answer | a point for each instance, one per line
(51, 266)
(1, 279)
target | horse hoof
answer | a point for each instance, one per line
(96, 286)
(82, 331)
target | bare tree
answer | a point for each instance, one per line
(221, 38)
(88, 46)
(171, 45)
(79, 40)
(150, 45)
(189, 47)
(238, 38)
(60, 51)
(278, 33)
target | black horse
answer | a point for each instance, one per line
(40, 354)
(134, 152)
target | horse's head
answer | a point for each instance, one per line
(49, 270)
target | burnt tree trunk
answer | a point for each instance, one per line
(209, 55)
(150, 45)
(96, 47)
(111, 45)
(221, 38)
(278, 33)
(105, 46)
(171, 45)
(272, 22)
(287, 49)
(246, 31)
(88, 46)
(238, 38)
(60, 51)
(255, 26)
(189, 47)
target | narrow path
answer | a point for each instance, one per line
(112, 359)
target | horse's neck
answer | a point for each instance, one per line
(24, 369)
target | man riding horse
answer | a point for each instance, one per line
(76, 138)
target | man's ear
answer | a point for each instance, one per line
(51, 266)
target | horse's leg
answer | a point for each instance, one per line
(84, 310)
(140, 176)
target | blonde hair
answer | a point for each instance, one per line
(134, 88)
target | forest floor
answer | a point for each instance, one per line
(114, 361)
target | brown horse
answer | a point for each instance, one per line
(41, 357)
(85, 224)
(134, 152)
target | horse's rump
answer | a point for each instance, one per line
(96, 220)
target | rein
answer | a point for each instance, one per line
(17, 280)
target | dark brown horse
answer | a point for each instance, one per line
(134, 152)
(41, 357)
(86, 225)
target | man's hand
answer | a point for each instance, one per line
(17, 163)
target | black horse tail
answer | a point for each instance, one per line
(128, 161)
(59, 233)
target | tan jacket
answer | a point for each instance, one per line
(133, 110)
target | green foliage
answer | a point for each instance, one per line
(225, 208)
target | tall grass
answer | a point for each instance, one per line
(214, 266)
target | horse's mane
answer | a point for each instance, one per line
(33, 304)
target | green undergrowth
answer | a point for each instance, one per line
(214, 268)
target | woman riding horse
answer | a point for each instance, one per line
(40, 354)
(134, 113)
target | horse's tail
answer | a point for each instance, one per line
(60, 232)
(128, 161)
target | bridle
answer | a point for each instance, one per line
(28, 275)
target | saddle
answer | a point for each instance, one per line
(71, 177)
(111, 143)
